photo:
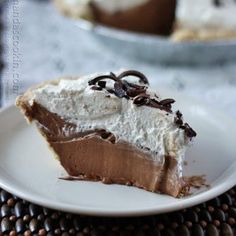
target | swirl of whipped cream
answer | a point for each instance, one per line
(207, 14)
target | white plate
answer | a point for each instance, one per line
(28, 169)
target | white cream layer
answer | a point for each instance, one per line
(204, 14)
(111, 6)
(89, 109)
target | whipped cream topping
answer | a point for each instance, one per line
(151, 129)
(209, 14)
(111, 6)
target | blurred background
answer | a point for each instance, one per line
(39, 43)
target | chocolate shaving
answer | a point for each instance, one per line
(110, 91)
(179, 118)
(135, 92)
(154, 103)
(179, 114)
(107, 135)
(189, 131)
(101, 77)
(135, 73)
(102, 84)
(96, 88)
(142, 99)
(119, 91)
(167, 102)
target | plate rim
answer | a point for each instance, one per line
(185, 203)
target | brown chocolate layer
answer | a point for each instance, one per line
(156, 16)
(95, 155)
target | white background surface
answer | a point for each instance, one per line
(52, 46)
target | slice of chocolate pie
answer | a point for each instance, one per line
(113, 128)
(148, 16)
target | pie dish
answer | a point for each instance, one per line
(182, 20)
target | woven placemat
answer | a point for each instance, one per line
(215, 217)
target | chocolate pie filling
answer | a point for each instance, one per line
(155, 16)
(95, 155)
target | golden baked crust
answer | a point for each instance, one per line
(75, 11)
(183, 34)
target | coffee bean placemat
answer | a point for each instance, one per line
(215, 217)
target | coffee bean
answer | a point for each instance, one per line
(46, 211)
(20, 227)
(191, 215)
(205, 215)
(231, 221)
(10, 202)
(42, 232)
(48, 224)
(15, 198)
(13, 233)
(216, 223)
(26, 218)
(203, 223)
(57, 231)
(27, 233)
(64, 225)
(69, 216)
(215, 202)
(225, 207)
(76, 224)
(219, 215)
(225, 198)
(4, 196)
(168, 232)
(138, 232)
(33, 209)
(5, 225)
(127, 233)
(5, 210)
(189, 224)
(183, 231)
(50, 234)
(174, 225)
(55, 216)
(211, 230)
(210, 209)
(177, 217)
(40, 217)
(34, 225)
(65, 234)
(19, 209)
(203, 205)
(86, 230)
(159, 226)
(197, 230)
(232, 212)
(13, 218)
(226, 230)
